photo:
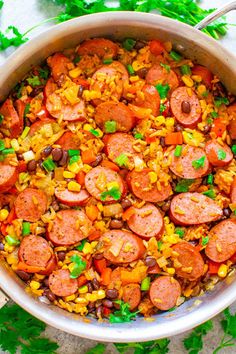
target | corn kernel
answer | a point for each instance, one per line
(75, 73)
(68, 174)
(8, 248)
(74, 167)
(188, 292)
(70, 297)
(83, 289)
(87, 127)
(74, 186)
(100, 206)
(101, 294)
(201, 89)
(12, 259)
(111, 185)
(187, 80)
(222, 271)
(3, 214)
(71, 267)
(87, 168)
(15, 144)
(94, 244)
(91, 297)
(197, 78)
(100, 132)
(39, 276)
(35, 285)
(170, 122)
(152, 176)
(81, 300)
(100, 225)
(170, 271)
(87, 248)
(29, 89)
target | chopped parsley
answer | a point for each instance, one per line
(178, 151)
(179, 231)
(210, 179)
(214, 114)
(183, 185)
(233, 148)
(221, 100)
(79, 266)
(44, 73)
(162, 90)
(114, 192)
(77, 59)
(205, 240)
(175, 56)
(74, 159)
(185, 70)
(34, 81)
(81, 246)
(199, 163)
(138, 136)
(210, 193)
(166, 67)
(122, 160)
(110, 126)
(94, 132)
(159, 245)
(123, 314)
(128, 44)
(2, 145)
(221, 154)
(194, 343)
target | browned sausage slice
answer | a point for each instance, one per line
(61, 284)
(186, 165)
(35, 251)
(35, 127)
(150, 99)
(58, 64)
(31, 204)
(103, 48)
(121, 143)
(97, 182)
(184, 94)
(12, 123)
(222, 242)
(69, 227)
(69, 141)
(141, 186)
(233, 191)
(8, 175)
(132, 295)
(217, 154)
(157, 74)
(232, 116)
(117, 112)
(164, 292)
(192, 264)
(146, 221)
(193, 209)
(65, 111)
(72, 198)
(121, 246)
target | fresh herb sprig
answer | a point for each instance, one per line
(194, 342)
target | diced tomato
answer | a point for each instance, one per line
(94, 235)
(22, 167)
(82, 280)
(213, 267)
(100, 265)
(218, 127)
(175, 138)
(106, 276)
(156, 47)
(106, 311)
(205, 74)
(80, 177)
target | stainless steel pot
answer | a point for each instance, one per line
(117, 25)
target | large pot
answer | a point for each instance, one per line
(192, 44)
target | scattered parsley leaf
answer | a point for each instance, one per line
(221, 100)
(159, 245)
(221, 154)
(15, 39)
(138, 136)
(122, 160)
(34, 81)
(94, 132)
(44, 73)
(210, 179)
(194, 342)
(110, 126)
(98, 349)
(205, 240)
(81, 246)
(199, 163)
(114, 192)
(79, 266)
(151, 347)
(233, 148)
(178, 150)
(183, 185)
(123, 314)
(179, 231)
(214, 114)
(39, 346)
(229, 327)
(210, 193)
(166, 67)
(162, 90)
(1, 3)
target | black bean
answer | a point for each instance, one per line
(178, 128)
(64, 159)
(51, 297)
(46, 282)
(47, 151)
(36, 91)
(227, 212)
(116, 224)
(112, 294)
(185, 107)
(20, 157)
(126, 203)
(1, 246)
(61, 256)
(107, 303)
(57, 154)
(150, 261)
(98, 256)
(91, 306)
(55, 205)
(32, 165)
(90, 287)
(139, 45)
(80, 92)
(162, 141)
(23, 275)
(166, 206)
(95, 284)
(142, 72)
(206, 129)
(97, 161)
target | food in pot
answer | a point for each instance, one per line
(117, 179)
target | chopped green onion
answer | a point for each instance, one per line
(25, 228)
(114, 192)
(205, 240)
(185, 70)
(27, 109)
(233, 148)
(209, 121)
(128, 44)
(183, 185)
(2, 145)
(199, 163)
(74, 159)
(73, 152)
(34, 81)
(159, 245)
(210, 193)
(1, 118)
(94, 132)
(48, 164)
(179, 231)
(12, 241)
(79, 266)
(178, 151)
(166, 67)
(145, 285)
(174, 55)
(110, 126)
(221, 100)
(214, 114)
(162, 90)
(162, 108)
(8, 151)
(77, 59)
(81, 246)
(210, 179)
(122, 160)
(107, 61)
(25, 133)
(221, 154)
(138, 136)
(130, 69)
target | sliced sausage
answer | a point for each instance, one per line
(8, 175)
(69, 141)
(192, 264)
(96, 181)
(157, 74)
(12, 123)
(50, 87)
(35, 127)
(121, 143)
(193, 209)
(222, 241)
(72, 198)
(35, 251)
(232, 116)
(65, 111)
(185, 167)
(184, 94)
(103, 48)
(132, 295)
(233, 191)
(121, 246)
(31, 204)
(141, 186)
(217, 154)
(150, 99)
(205, 74)
(146, 221)
(164, 292)
(61, 284)
(58, 64)
(69, 227)
(114, 111)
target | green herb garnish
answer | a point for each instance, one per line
(128, 44)
(110, 126)
(199, 163)
(25, 228)
(194, 342)
(221, 100)
(166, 67)
(27, 109)
(8, 151)
(130, 69)
(44, 73)
(122, 160)
(175, 56)
(179, 231)
(2, 145)
(138, 136)
(79, 266)
(233, 148)
(151, 347)
(81, 246)
(221, 154)
(1, 118)
(123, 314)
(73, 152)
(49, 164)
(162, 90)
(34, 81)
(12, 241)
(185, 70)
(178, 150)
(98, 349)
(210, 179)
(162, 108)
(210, 193)
(114, 192)
(205, 240)
(183, 185)
(107, 61)
(74, 159)
(77, 59)
(94, 132)
(214, 114)
(159, 245)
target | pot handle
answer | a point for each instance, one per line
(216, 14)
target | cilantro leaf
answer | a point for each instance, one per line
(205, 240)
(44, 73)
(221, 100)
(162, 90)
(34, 81)
(229, 327)
(199, 163)
(194, 342)
(1, 3)
(113, 192)
(122, 160)
(79, 266)
(221, 154)
(98, 349)
(183, 185)
(11, 37)
(123, 314)
(154, 347)
(210, 193)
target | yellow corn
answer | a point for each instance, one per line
(3, 214)
(87, 168)
(100, 206)
(12, 259)
(35, 285)
(74, 167)
(94, 244)
(201, 89)
(70, 297)
(83, 289)
(68, 174)
(197, 78)
(81, 300)
(222, 271)
(74, 186)
(187, 80)
(170, 271)
(87, 127)
(75, 73)
(91, 297)
(15, 144)
(170, 122)
(29, 89)
(152, 176)
(111, 185)
(8, 248)
(101, 294)
(39, 276)
(87, 248)
(100, 225)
